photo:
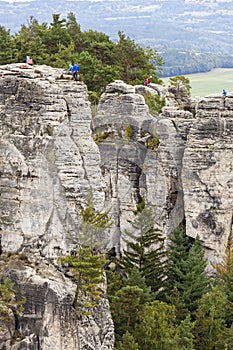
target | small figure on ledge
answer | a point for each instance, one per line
(29, 60)
(224, 92)
(148, 81)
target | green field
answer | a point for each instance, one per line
(204, 84)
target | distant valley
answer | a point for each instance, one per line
(213, 82)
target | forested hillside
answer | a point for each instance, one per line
(181, 62)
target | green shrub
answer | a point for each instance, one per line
(153, 143)
(154, 102)
(94, 99)
(128, 132)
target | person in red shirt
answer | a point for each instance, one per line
(148, 80)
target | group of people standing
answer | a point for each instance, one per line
(74, 69)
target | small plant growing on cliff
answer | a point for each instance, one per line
(140, 206)
(154, 102)
(94, 99)
(9, 305)
(153, 143)
(128, 132)
(225, 268)
(87, 262)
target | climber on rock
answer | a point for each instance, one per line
(75, 71)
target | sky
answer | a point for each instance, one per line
(12, 1)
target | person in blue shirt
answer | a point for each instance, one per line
(224, 92)
(75, 71)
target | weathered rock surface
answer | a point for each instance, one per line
(186, 178)
(49, 320)
(48, 159)
(52, 153)
(48, 164)
(207, 174)
(136, 165)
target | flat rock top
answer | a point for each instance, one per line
(34, 71)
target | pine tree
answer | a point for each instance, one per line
(157, 328)
(7, 47)
(31, 40)
(87, 270)
(125, 306)
(115, 281)
(186, 272)
(94, 223)
(136, 278)
(56, 35)
(127, 343)
(186, 334)
(195, 281)
(126, 295)
(100, 59)
(145, 250)
(87, 263)
(210, 327)
(134, 63)
(182, 84)
(178, 252)
(75, 32)
(224, 274)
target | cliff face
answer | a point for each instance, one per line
(49, 320)
(187, 178)
(52, 153)
(48, 159)
(207, 174)
(146, 164)
(48, 164)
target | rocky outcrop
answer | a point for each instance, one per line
(49, 320)
(207, 174)
(141, 155)
(47, 158)
(53, 153)
(48, 165)
(187, 177)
